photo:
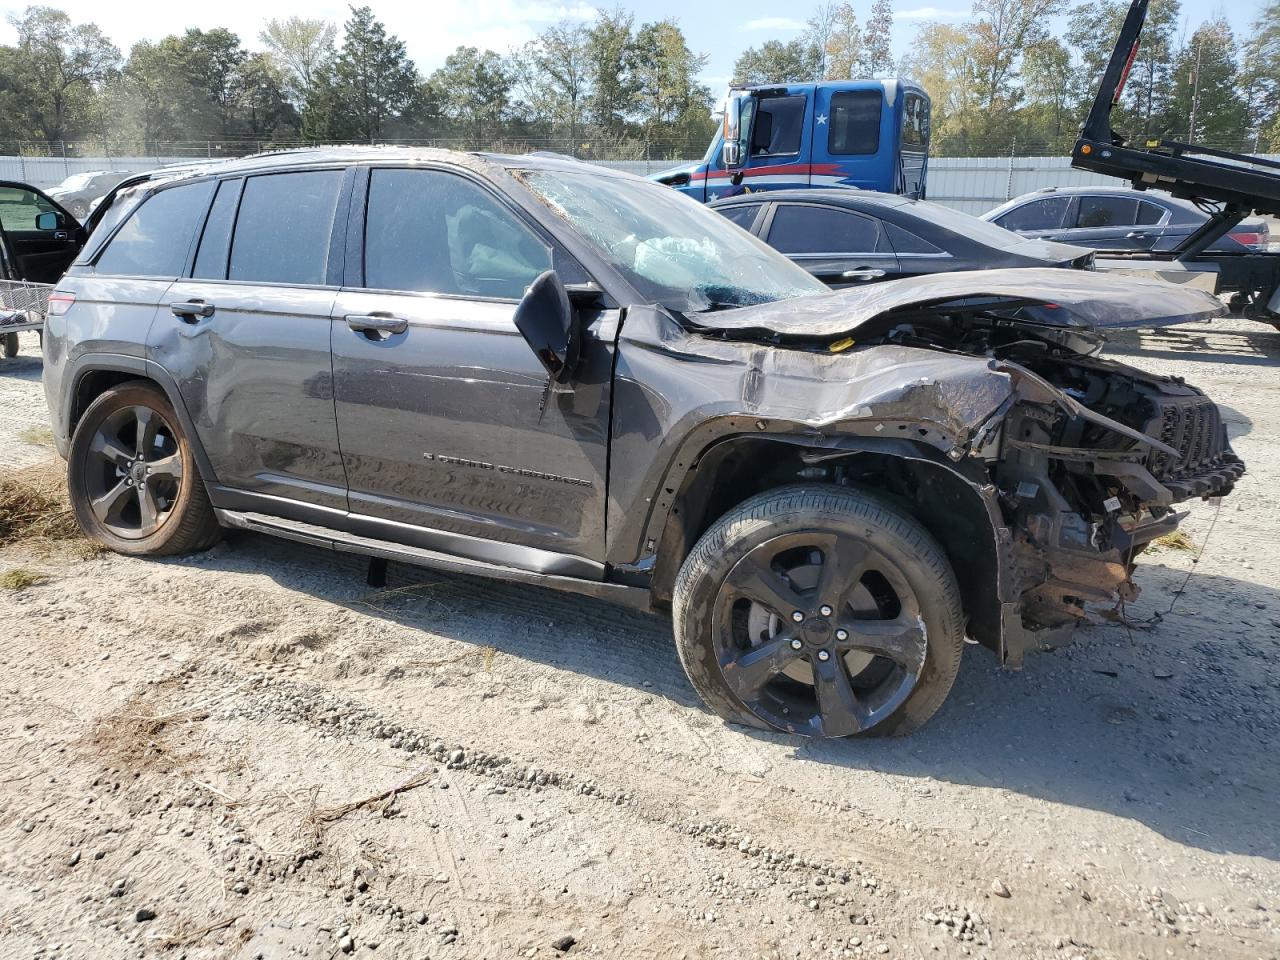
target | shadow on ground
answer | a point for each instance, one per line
(1172, 724)
(1205, 342)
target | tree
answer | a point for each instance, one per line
(154, 92)
(1003, 29)
(373, 76)
(777, 62)
(554, 70)
(1049, 78)
(213, 60)
(1205, 105)
(58, 71)
(475, 90)
(944, 60)
(818, 34)
(1260, 75)
(877, 59)
(670, 100)
(302, 49)
(264, 106)
(611, 59)
(844, 45)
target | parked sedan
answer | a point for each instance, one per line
(845, 236)
(1118, 218)
(79, 190)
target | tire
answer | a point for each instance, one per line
(10, 345)
(895, 633)
(79, 210)
(128, 450)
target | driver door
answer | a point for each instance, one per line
(450, 436)
(40, 237)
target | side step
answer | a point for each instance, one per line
(636, 598)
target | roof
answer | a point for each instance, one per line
(840, 195)
(485, 163)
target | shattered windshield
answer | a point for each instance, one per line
(673, 250)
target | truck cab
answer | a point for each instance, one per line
(869, 134)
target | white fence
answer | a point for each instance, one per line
(969, 184)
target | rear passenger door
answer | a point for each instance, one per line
(246, 337)
(451, 438)
(839, 247)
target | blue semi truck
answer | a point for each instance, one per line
(869, 134)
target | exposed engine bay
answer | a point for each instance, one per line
(1089, 457)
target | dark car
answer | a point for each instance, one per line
(79, 190)
(1118, 218)
(543, 371)
(845, 236)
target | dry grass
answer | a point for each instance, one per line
(39, 436)
(34, 506)
(19, 578)
(1176, 541)
(144, 738)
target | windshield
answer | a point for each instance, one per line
(672, 249)
(76, 181)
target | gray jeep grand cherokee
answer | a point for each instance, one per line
(538, 370)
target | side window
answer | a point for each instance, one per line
(778, 126)
(1107, 211)
(19, 208)
(1149, 213)
(915, 121)
(437, 232)
(799, 229)
(1046, 214)
(215, 242)
(744, 215)
(283, 229)
(155, 239)
(854, 122)
(904, 241)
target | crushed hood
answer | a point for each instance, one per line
(1082, 298)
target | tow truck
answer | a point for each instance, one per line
(1227, 186)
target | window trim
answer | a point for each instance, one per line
(353, 277)
(188, 259)
(874, 221)
(189, 274)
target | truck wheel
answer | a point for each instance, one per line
(821, 611)
(133, 480)
(10, 345)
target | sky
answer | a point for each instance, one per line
(432, 31)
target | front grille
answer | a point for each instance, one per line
(1192, 425)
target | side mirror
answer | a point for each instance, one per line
(48, 221)
(549, 324)
(731, 149)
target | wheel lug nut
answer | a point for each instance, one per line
(824, 656)
(825, 610)
(842, 634)
(798, 616)
(796, 644)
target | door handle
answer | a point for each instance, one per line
(862, 273)
(191, 310)
(1135, 235)
(60, 235)
(373, 324)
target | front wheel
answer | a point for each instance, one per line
(821, 611)
(132, 477)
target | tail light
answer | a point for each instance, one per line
(1255, 238)
(59, 303)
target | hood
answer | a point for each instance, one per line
(1051, 250)
(1077, 298)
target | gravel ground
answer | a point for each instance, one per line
(248, 753)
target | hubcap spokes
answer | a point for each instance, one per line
(133, 472)
(853, 625)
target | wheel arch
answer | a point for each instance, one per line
(958, 511)
(97, 373)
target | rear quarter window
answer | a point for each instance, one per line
(156, 237)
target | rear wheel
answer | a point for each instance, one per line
(133, 480)
(821, 611)
(11, 345)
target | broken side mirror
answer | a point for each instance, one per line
(549, 324)
(48, 221)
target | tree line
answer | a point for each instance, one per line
(1003, 81)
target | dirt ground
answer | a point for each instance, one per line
(249, 753)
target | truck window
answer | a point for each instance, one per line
(855, 123)
(778, 126)
(915, 121)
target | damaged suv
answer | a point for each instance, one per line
(542, 371)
